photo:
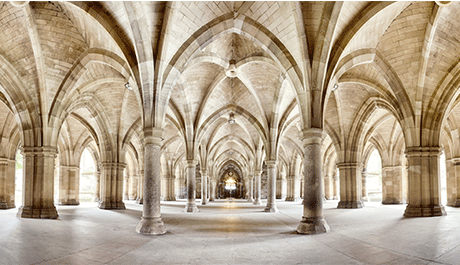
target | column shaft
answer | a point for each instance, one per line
(312, 221)
(191, 186)
(112, 186)
(151, 222)
(271, 183)
(251, 188)
(97, 192)
(7, 180)
(350, 185)
(204, 188)
(364, 176)
(257, 175)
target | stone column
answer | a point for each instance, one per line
(392, 186)
(7, 180)
(204, 187)
(112, 186)
(251, 188)
(424, 182)
(126, 187)
(451, 181)
(271, 183)
(133, 188)
(213, 190)
(151, 222)
(293, 188)
(328, 187)
(38, 186)
(335, 187)
(69, 179)
(456, 164)
(97, 192)
(364, 176)
(313, 221)
(257, 175)
(140, 187)
(350, 185)
(191, 187)
(170, 188)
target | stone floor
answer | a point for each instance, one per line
(230, 232)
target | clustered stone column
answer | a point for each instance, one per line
(69, 178)
(364, 176)
(191, 187)
(350, 185)
(293, 188)
(313, 221)
(453, 198)
(257, 175)
(424, 182)
(97, 176)
(271, 183)
(392, 192)
(140, 187)
(204, 187)
(38, 188)
(112, 186)
(251, 188)
(335, 187)
(213, 190)
(170, 188)
(7, 180)
(126, 189)
(151, 222)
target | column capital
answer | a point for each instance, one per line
(271, 163)
(39, 150)
(312, 136)
(190, 163)
(423, 151)
(349, 165)
(112, 165)
(257, 172)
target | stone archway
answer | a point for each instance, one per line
(231, 183)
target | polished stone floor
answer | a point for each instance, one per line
(230, 232)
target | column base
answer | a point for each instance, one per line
(313, 225)
(41, 213)
(5, 205)
(250, 200)
(140, 201)
(271, 209)
(191, 208)
(204, 202)
(211, 199)
(111, 205)
(96, 199)
(170, 199)
(350, 205)
(151, 226)
(126, 198)
(69, 203)
(335, 197)
(292, 199)
(456, 204)
(257, 202)
(365, 199)
(427, 211)
(391, 201)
